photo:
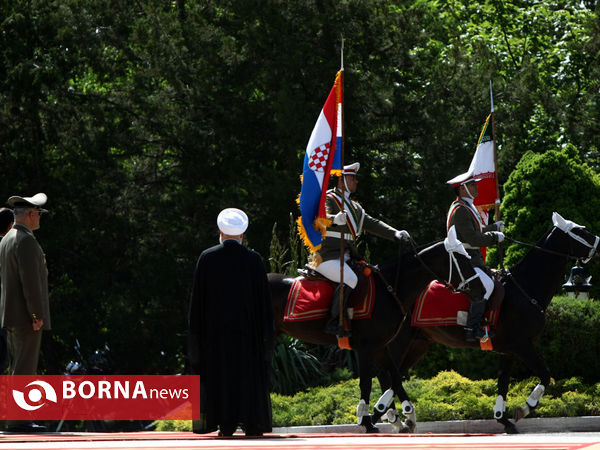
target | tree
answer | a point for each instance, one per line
(558, 181)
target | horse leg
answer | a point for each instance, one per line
(386, 408)
(535, 362)
(416, 348)
(506, 362)
(386, 398)
(405, 351)
(365, 362)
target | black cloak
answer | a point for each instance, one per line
(231, 339)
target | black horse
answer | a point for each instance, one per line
(405, 278)
(529, 288)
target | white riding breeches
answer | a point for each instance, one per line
(331, 270)
(487, 282)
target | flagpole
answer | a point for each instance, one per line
(342, 249)
(497, 203)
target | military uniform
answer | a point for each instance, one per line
(474, 234)
(24, 296)
(356, 222)
(24, 303)
(471, 230)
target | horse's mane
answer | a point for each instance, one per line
(407, 258)
(519, 264)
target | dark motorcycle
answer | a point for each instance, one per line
(97, 363)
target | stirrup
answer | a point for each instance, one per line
(477, 334)
(333, 327)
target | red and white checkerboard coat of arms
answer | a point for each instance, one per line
(318, 159)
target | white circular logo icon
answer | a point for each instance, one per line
(36, 397)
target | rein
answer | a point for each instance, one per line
(593, 248)
(453, 262)
(532, 300)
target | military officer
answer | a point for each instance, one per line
(24, 305)
(348, 221)
(474, 234)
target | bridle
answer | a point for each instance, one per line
(593, 247)
(453, 262)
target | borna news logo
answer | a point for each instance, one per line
(99, 397)
(36, 397)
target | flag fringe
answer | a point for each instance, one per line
(320, 225)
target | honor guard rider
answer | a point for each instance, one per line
(349, 225)
(474, 234)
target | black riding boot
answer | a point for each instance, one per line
(473, 330)
(333, 325)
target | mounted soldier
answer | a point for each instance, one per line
(348, 220)
(475, 236)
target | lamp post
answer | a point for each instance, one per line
(578, 285)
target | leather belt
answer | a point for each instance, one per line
(338, 234)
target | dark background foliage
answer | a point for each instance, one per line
(142, 120)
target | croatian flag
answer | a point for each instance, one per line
(483, 166)
(323, 157)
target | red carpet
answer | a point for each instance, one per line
(188, 440)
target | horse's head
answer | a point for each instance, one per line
(579, 242)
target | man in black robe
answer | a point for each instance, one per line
(231, 333)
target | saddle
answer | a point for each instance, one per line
(362, 271)
(311, 294)
(439, 306)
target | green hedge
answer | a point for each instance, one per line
(447, 396)
(570, 345)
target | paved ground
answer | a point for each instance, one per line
(156, 441)
(539, 434)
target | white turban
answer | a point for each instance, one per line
(232, 221)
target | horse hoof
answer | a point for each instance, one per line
(520, 412)
(367, 422)
(509, 427)
(405, 427)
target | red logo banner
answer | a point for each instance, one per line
(99, 397)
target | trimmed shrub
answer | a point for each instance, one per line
(447, 396)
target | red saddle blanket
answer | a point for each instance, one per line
(310, 300)
(438, 306)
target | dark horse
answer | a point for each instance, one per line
(406, 277)
(529, 288)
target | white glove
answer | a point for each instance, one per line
(402, 235)
(499, 225)
(499, 235)
(340, 218)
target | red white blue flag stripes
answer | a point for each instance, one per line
(323, 157)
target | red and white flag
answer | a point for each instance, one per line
(483, 167)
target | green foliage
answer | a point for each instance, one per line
(568, 344)
(277, 253)
(558, 181)
(293, 366)
(447, 396)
